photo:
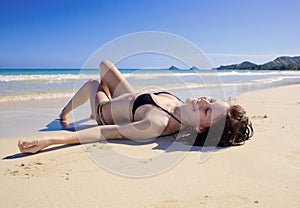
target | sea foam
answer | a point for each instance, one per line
(16, 86)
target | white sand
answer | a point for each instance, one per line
(262, 173)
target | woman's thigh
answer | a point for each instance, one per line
(100, 96)
(113, 78)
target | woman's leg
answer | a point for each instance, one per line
(115, 81)
(113, 84)
(87, 92)
(90, 90)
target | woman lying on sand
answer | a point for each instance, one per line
(122, 113)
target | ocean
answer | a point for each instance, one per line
(19, 85)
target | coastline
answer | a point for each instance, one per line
(262, 173)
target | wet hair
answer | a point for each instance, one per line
(236, 130)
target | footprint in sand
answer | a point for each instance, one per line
(257, 117)
(209, 201)
(260, 122)
(37, 169)
(28, 170)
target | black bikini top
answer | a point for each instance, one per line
(146, 98)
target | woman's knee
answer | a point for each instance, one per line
(93, 83)
(106, 65)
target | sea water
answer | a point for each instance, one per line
(17, 85)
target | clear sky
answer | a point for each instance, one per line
(64, 33)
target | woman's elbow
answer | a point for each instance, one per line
(150, 131)
(157, 127)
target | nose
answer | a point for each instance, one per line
(204, 100)
(202, 103)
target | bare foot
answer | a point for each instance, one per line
(65, 124)
(64, 120)
(32, 146)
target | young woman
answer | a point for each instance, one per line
(122, 113)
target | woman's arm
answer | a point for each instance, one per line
(151, 127)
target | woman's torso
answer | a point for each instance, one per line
(119, 110)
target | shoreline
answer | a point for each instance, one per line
(262, 173)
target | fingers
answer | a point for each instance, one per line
(32, 149)
(20, 145)
(28, 146)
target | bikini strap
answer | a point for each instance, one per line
(165, 92)
(147, 99)
(169, 113)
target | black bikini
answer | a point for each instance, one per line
(146, 98)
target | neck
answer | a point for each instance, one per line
(177, 114)
(181, 113)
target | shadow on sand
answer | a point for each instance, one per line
(57, 125)
(22, 155)
(166, 143)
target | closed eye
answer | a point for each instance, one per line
(207, 111)
(212, 100)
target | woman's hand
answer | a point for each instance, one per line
(33, 146)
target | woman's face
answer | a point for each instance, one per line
(203, 112)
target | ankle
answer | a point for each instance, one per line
(63, 115)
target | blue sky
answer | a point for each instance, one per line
(64, 33)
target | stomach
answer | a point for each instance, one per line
(118, 110)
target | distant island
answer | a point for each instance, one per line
(176, 68)
(280, 63)
(173, 68)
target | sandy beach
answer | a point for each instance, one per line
(262, 173)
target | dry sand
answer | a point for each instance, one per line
(262, 173)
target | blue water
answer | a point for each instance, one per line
(35, 84)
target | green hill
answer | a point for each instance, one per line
(280, 63)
